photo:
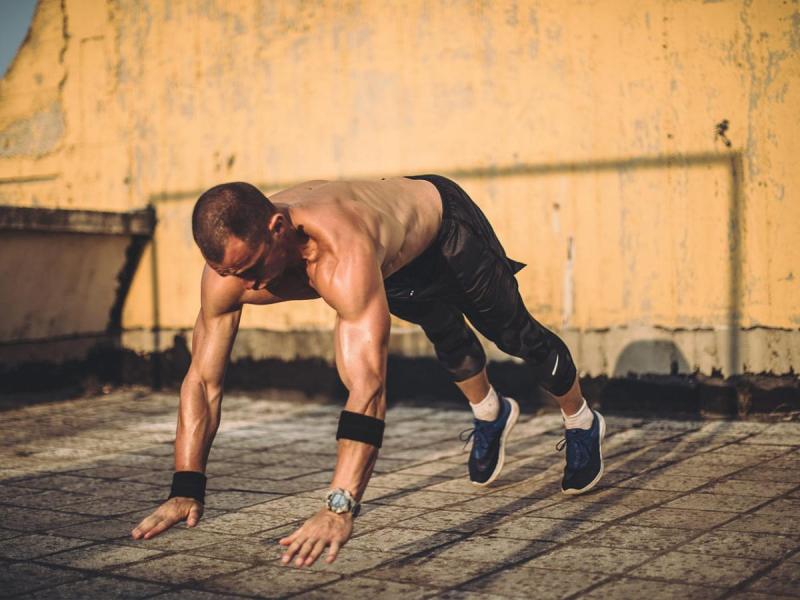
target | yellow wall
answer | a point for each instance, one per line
(585, 129)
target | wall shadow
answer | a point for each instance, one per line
(650, 356)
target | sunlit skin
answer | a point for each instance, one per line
(334, 240)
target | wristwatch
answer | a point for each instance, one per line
(341, 501)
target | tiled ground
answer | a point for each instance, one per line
(686, 510)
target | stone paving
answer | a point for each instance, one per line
(687, 509)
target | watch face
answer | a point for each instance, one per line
(339, 502)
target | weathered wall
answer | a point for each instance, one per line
(588, 131)
(64, 285)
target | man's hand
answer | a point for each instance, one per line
(165, 516)
(325, 528)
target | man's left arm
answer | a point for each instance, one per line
(355, 290)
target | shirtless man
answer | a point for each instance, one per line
(417, 247)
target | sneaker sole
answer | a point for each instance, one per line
(501, 459)
(591, 484)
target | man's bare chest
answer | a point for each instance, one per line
(293, 284)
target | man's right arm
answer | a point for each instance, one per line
(201, 391)
(200, 399)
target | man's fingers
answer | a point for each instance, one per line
(158, 528)
(304, 551)
(166, 515)
(145, 526)
(194, 516)
(315, 552)
(291, 551)
(287, 540)
(290, 538)
(333, 551)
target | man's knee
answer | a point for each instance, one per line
(542, 350)
(458, 350)
(555, 370)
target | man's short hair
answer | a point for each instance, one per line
(236, 208)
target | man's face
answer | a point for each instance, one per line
(246, 263)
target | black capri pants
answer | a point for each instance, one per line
(465, 273)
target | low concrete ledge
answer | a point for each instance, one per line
(21, 218)
(417, 379)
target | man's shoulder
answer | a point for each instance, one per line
(348, 276)
(219, 295)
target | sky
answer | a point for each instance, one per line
(15, 17)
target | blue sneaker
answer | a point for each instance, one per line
(489, 443)
(584, 456)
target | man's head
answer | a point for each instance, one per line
(235, 226)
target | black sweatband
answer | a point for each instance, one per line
(361, 428)
(189, 484)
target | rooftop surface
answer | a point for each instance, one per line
(689, 509)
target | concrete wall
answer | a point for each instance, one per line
(658, 237)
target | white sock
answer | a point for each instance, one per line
(581, 419)
(488, 408)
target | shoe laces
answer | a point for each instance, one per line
(577, 442)
(481, 432)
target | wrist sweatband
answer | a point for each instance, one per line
(189, 484)
(361, 428)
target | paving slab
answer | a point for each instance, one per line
(782, 579)
(269, 581)
(364, 587)
(432, 571)
(743, 545)
(97, 557)
(179, 568)
(685, 567)
(654, 539)
(630, 587)
(592, 559)
(20, 577)
(99, 587)
(689, 509)
(36, 545)
(534, 583)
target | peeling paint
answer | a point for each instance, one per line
(34, 136)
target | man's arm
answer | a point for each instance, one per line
(200, 400)
(361, 340)
(201, 392)
(355, 289)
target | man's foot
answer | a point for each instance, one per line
(489, 443)
(584, 456)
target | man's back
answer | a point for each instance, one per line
(401, 216)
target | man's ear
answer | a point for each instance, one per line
(276, 224)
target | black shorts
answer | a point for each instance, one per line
(465, 242)
(465, 272)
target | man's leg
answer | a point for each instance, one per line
(500, 315)
(461, 354)
(491, 301)
(483, 279)
(476, 387)
(457, 347)
(572, 401)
